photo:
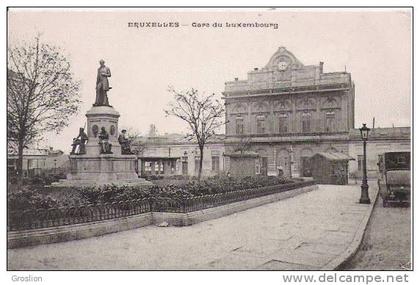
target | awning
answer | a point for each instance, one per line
(248, 154)
(334, 156)
(156, 158)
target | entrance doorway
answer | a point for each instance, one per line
(306, 166)
(264, 166)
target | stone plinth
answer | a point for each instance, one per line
(94, 168)
(106, 167)
(98, 117)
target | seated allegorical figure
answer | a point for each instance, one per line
(125, 143)
(79, 141)
(104, 141)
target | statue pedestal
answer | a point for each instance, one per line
(94, 168)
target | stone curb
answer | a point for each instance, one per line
(351, 250)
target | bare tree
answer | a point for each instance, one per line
(203, 114)
(244, 145)
(137, 145)
(41, 94)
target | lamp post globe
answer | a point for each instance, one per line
(364, 197)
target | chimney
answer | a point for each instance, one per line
(255, 68)
(321, 66)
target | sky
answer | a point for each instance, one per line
(374, 45)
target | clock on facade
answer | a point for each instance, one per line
(282, 65)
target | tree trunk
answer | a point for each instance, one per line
(19, 162)
(200, 169)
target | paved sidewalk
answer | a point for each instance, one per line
(304, 232)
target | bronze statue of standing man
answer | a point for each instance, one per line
(102, 85)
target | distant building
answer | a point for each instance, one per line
(173, 154)
(38, 161)
(380, 140)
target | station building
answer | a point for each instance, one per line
(291, 111)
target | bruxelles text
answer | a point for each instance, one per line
(201, 25)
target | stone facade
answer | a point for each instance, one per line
(291, 111)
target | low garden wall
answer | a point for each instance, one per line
(40, 226)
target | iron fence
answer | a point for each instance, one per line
(45, 218)
(213, 200)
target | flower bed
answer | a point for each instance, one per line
(30, 209)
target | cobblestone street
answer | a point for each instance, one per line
(387, 241)
(304, 232)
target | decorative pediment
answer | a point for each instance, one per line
(283, 59)
(330, 103)
(331, 149)
(260, 107)
(239, 108)
(306, 104)
(283, 105)
(306, 152)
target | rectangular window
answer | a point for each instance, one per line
(215, 164)
(264, 166)
(283, 123)
(184, 165)
(197, 164)
(161, 167)
(260, 125)
(147, 166)
(11, 162)
(29, 164)
(173, 166)
(239, 126)
(158, 167)
(257, 166)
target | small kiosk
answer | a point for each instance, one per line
(330, 167)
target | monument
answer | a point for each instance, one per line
(102, 156)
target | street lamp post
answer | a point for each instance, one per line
(290, 161)
(364, 198)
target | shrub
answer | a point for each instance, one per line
(222, 184)
(30, 200)
(38, 197)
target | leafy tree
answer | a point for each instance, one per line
(203, 114)
(42, 94)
